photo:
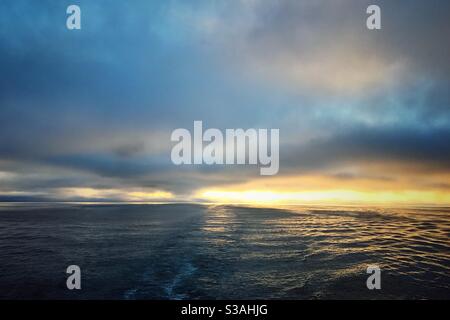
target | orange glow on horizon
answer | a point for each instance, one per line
(116, 194)
(324, 197)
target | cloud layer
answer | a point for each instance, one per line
(92, 110)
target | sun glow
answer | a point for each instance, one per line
(328, 196)
(405, 189)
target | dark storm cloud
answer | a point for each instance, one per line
(112, 166)
(427, 149)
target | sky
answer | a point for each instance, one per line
(364, 115)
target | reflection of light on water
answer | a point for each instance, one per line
(334, 243)
(218, 224)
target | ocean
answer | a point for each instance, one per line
(193, 251)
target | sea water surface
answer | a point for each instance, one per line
(187, 251)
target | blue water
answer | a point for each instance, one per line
(180, 251)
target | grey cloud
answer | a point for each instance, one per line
(427, 149)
